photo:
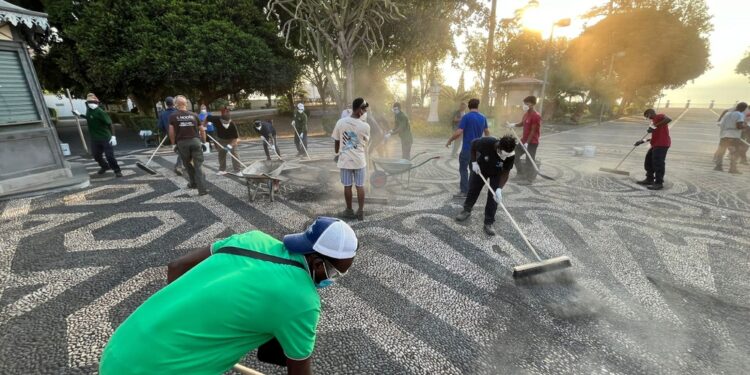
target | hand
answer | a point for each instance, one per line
(204, 147)
(293, 122)
(228, 148)
(273, 147)
(475, 167)
(448, 144)
(509, 125)
(526, 145)
(639, 143)
(651, 129)
(387, 135)
(498, 195)
(75, 112)
(263, 138)
(113, 141)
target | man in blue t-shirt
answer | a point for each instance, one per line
(164, 129)
(472, 126)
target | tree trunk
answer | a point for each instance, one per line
(270, 103)
(409, 77)
(349, 79)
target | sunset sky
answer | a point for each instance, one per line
(729, 41)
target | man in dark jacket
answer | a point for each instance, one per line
(403, 129)
(102, 133)
(299, 121)
(268, 136)
(228, 137)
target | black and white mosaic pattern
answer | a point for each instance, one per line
(659, 283)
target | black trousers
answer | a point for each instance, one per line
(655, 164)
(273, 142)
(476, 185)
(297, 142)
(524, 166)
(103, 147)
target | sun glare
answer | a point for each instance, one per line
(539, 19)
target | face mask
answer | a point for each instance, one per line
(257, 127)
(331, 274)
(525, 107)
(504, 155)
(93, 105)
(203, 111)
(225, 124)
(396, 110)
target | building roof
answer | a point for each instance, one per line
(522, 81)
(14, 15)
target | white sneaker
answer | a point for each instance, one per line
(221, 173)
(239, 174)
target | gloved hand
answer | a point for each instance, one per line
(293, 122)
(204, 147)
(651, 129)
(526, 145)
(263, 138)
(498, 195)
(639, 143)
(387, 135)
(228, 148)
(113, 141)
(509, 125)
(301, 135)
(75, 112)
(273, 147)
(475, 167)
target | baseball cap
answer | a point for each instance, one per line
(328, 236)
(359, 103)
(300, 106)
(90, 97)
(169, 101)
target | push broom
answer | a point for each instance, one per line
(541, 265)
(145, 167)
(301, 142)
(228, 150)
(532, 159)
(616, 170)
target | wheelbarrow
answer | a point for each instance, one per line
(263, 172)
(394, 167)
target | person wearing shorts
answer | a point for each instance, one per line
(351, 136)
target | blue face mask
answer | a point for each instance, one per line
(331, 274)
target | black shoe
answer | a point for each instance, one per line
(645, 182)
(204, 192)
(488, 230)
(118, 174)
(719, 168)
(178, 171)
(360, 215)
(102, 170)
(463, 215)
(192, 186)
(655, 186)
(347, 214)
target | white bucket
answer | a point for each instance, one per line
(65, 149)
(577, 151)
(589, 151)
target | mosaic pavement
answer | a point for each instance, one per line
(659, 284)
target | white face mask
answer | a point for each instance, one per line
(93, 105)
(225, 124)
(396, 110)
(203, 111)
(525, 107)
(504, 155)
(301, 110)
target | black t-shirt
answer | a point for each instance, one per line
(266, 129)
(222, 132)
(185, 125)
(489, 161)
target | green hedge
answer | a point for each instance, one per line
(133, 121)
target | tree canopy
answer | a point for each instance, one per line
(743, 67)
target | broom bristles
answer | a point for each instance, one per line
(547, 265)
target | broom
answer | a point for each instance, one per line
(541, 265)
(301, 142)
(616, 170)
(531, 159)
(228, 150)
(145, 167)
(245, 370)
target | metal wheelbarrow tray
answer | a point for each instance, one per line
(263, 172)
(394, 167)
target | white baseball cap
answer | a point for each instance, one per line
(328, 236)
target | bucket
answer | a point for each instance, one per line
(577, 151)
(65, 149)
(589, 151)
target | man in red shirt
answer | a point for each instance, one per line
(657, 154)
(532, 129)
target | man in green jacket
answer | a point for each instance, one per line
(299, 121)
(102, 133)
(403, 129)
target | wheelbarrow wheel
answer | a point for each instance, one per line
(378, 179)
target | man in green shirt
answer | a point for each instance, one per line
(225, 300)
(403, 129)
(299, 121)
(102, 133)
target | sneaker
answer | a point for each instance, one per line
(192, 186)
(348, 214)
(178, 171)
(463, 215)
(645, 182)
(488, 230)
(360, 215)
(719, 168)
(655, 186)
(102, 170)
(118, 174)
(734, 171)
(204, 192)
(221, 173)
(239, 174)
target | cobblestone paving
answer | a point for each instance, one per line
(659, 283)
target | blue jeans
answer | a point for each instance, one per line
(464, 160)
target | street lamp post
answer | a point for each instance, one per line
(560, 23)
(609, 76)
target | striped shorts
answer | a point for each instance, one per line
(353, 176)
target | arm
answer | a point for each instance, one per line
(171, 134)
(108, 120)
(486, 132)
(721, 116)
(303, 367)
(179, 266)
(202, 129)
(473, 152)
(336, 145)
(666, 120)
(504, 178)
(455, 136)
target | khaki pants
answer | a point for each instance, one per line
(223, 155)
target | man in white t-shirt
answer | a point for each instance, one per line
(731, 126)
(351, 136)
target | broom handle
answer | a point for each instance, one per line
(526, 151)
(273, 147)
(515, 225)
(230, 154)
(245, 370)
(631, 151)
(301, 142)
(155, 151)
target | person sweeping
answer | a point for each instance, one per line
(655, 163)
(403, 129)
(243, 292)
(494, 159)
(299, 121)
(532, 130)
(268, 136)
(227, 135)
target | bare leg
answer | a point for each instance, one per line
(348, 196)
(360, 197)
